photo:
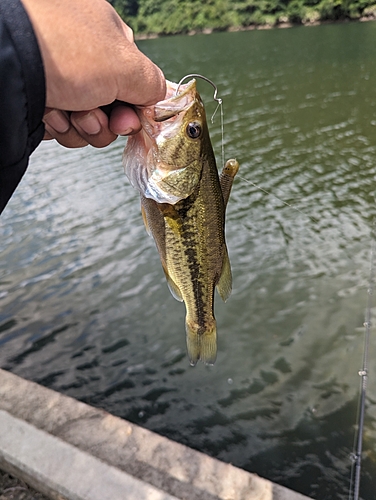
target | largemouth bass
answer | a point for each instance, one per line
(183, 202)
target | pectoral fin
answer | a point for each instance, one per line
(154, 224)
(224, 285)
(144, 218)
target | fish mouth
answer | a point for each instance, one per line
(179, 98)
(143, 166)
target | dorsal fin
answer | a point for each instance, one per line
(224, 285)
(227, 178)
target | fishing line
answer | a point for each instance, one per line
(219, 105)
(274, 196)
(363, 373)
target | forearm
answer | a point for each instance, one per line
(89, 59)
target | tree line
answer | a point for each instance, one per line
(167, 17)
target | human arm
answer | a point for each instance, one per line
(73, 57)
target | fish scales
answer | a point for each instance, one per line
(195, 260)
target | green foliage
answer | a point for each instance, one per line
(296, 11)
(126, 8)
(180, 16)
(183, 16)
(342, 9)
(331, 9)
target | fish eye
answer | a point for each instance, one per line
(194, 130)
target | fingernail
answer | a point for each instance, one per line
(90, 124)
(49, 130)
(56, 120)
(128, 131)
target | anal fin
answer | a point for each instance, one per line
(173, 287)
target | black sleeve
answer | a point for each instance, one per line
(22, 95)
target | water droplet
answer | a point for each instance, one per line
(230, 381)
(141, 414)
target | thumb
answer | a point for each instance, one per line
(145, 84)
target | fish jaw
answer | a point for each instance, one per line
(162, 161)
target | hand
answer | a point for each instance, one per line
(91, 60)
(80, 128)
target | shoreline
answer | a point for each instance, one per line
(255, 27)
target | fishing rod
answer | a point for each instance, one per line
(363, 373)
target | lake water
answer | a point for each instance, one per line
(85, 310)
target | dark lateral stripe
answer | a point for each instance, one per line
(196, 278)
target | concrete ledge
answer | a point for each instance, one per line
(68, 472)
(69, 450)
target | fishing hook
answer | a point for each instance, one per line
(193, 75)
(219, 105)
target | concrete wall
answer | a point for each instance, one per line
(69, 450)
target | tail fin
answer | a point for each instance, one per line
(201, 342)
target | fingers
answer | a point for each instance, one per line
(93, 127)
(78, 129)
(145, 84)
(58, 126)
(124, 121)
